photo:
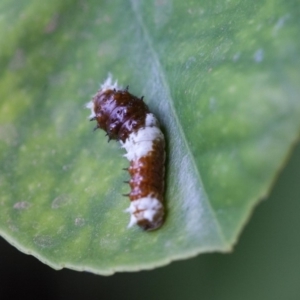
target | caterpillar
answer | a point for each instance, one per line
(126, 118)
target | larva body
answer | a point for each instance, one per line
(126, 118)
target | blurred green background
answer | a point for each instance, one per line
(265, 263)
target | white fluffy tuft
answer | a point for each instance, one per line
(144, 209)
(140, 143)
(90, 105)
(109, 85)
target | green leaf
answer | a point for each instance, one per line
(222, 77)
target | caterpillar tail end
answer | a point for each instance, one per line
(146, 212)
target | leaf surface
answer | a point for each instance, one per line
(223, 79)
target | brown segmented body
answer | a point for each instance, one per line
(126, 118)
(119, 113)
(147, 174)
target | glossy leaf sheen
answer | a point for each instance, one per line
(222, 77)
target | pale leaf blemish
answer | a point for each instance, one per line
(61, 201)
(190, 62)
(109, 244)
(66, 167)
(22, 205)
(280, 23)
(79, 222)
(236, 56)
(44, 241)
(12, 226)
(259, 55)
(52, 25)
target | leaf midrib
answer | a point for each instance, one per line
(157, 64)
